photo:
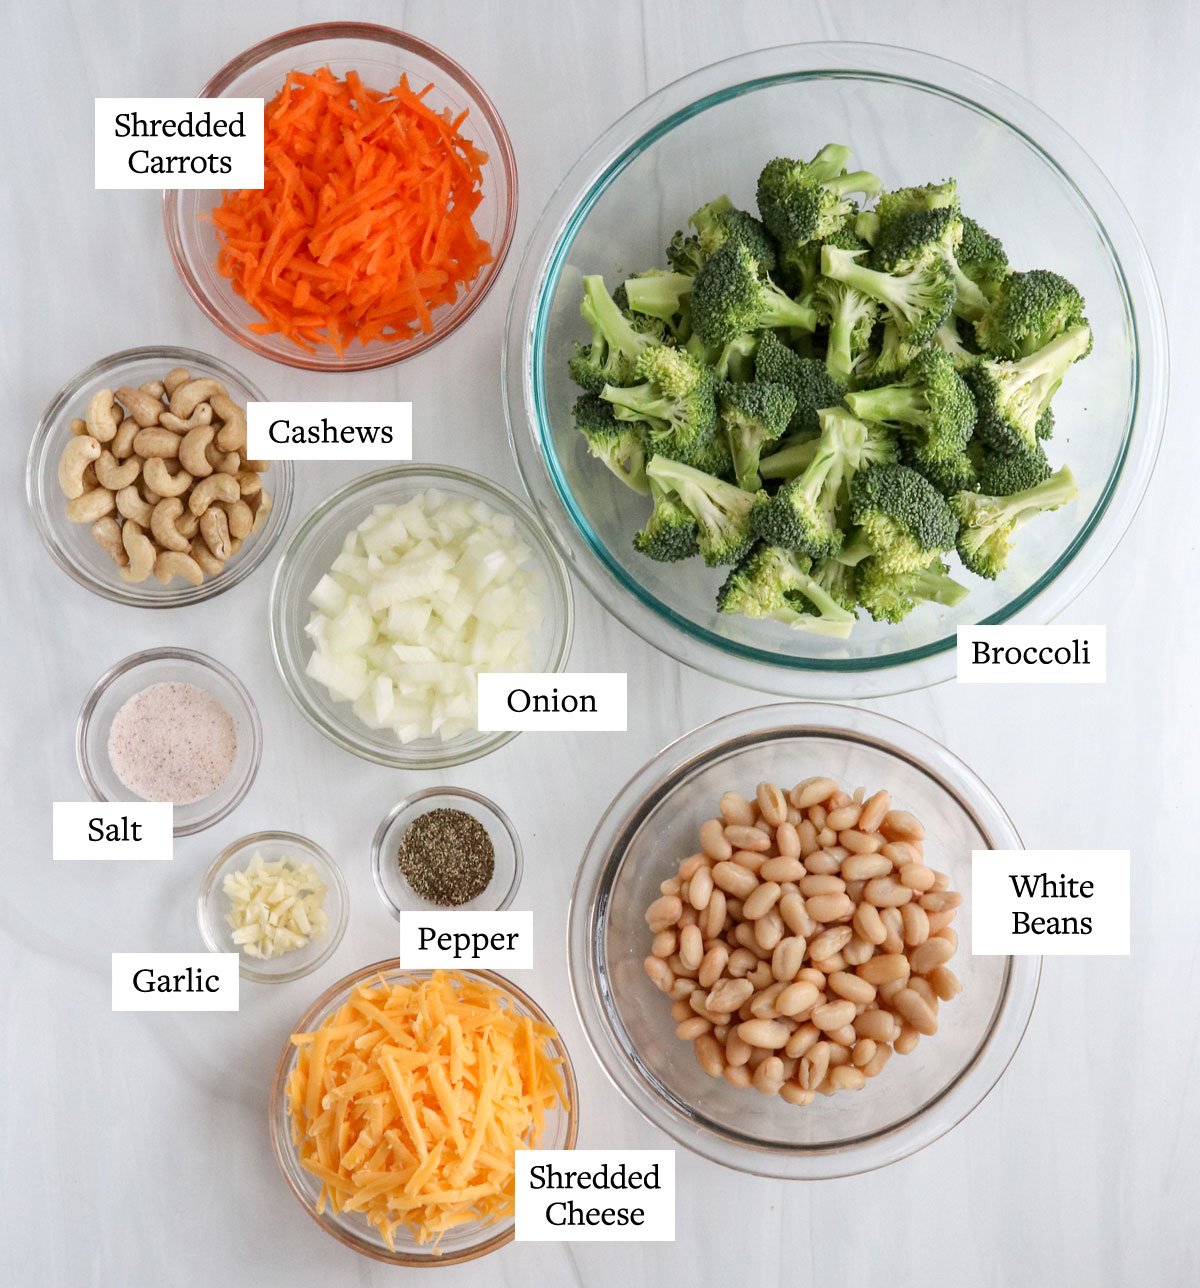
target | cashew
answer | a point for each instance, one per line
(77, 456)
(174, 378)
(256, 467)
(232, 435)
(141, 552)
(264, 508)
(187, 397)
(147, 493)
(241, 518)
(214, 528)
(153, 387)
(107, 532)
(89, 476)
(144, 408)
(248, 483)
(161, 482)
(102, 416)
(217, 487)
(201, 416)
(91, 506)
(230, 463)
(156, 442)
(113, 476)
(205, 557)
(162, 524)
(122, 444)
(173, 563)
(192, 451)
(78, 425)
(188, 525)
(132, 507)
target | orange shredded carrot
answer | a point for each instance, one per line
(364, 225)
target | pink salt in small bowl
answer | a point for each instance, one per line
(170, 666)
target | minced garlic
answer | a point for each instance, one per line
(276, 906)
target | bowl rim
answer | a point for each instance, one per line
(193, 657)
(643, 125)
(277, 1108)
(311, 850)
(447, 793)
(281, 473)
(623, 816)
(507, 195)
(437, 755)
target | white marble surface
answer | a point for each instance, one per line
(133, 1150)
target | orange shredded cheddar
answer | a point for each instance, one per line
(364, 224)
(409, 1103)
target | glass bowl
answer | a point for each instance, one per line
(381, 55)
(652, 825)
(212, 905)
(71, 545)
(398, 896)
(307, 558)
(466, 1242)
(913, 118)
(160, 666)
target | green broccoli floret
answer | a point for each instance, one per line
(800, 269)
(910, 238)
(676, 399)
(849, 314)
(616, 345)
(1044, 429)
(803, 201)
(1011, 397)
(981, 256)
(713, 230)
(807, 378)
(622, 447)
(906, 201)
(949, 474)
(889, 595)
(919, 301)
(755, 415)
(730, 297)
(838, 580)
(659, 294)
(987, 522)
(1028, 311)
(777, 584)
(735, 359)
(1003, 475)
(721, 509)
(951, 344)
(671, 532)
(904, 518)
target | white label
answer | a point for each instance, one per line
(1032, 654)
(445, 940)
(325, 431)
(588, 701)
(595, 1195)
(179, 143)
(175, 981)
(1059, 903)
(113, 830)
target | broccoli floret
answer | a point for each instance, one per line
(670, 533)
(807, 378)
(803, 201)
(951, 344)
(987, 522)
(729, 297)
(622, 447)
(659, 294)
(892, 357)
(676, 399)
(849, 314)
(1029, 310)
(656, 328)
(800, 269)
(1003, 475)
(777, 584)
(904, 518)
(906, 201)
(721, 509)
(838, 580)
(616, 344)
(981, 256)
(713, 230)
(684, 254)
(735, 360)
(1044, 429)
(919, 301)
(910, 238)
(755, 415)
(1012, 396)
(949, 474)
(889, 595)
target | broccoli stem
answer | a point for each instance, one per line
(938, 587)
(659, 295)
(906, 404)
(860, 181)
(600, 311)
(789, 461)
(777, 309)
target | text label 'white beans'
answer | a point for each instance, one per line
(1032, 655)
(179, 143)
(175, 981)
(329, 431)
(113, 830)
(460, 940)
(595, 1195)
(1050, 903)
(580, 701)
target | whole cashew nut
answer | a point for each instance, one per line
(122, 444)
(214, 528)
(141, 552)
(91, 506)
(173, 563)
(201, 416)
(241, 518)
(156, 442)
(78, 425)
(107, 532)
(188, 525)
(143, 407)
(115, 476)
(217, 487)
(248, 483)
(131, 506)
(154, 387)
(232, 435)
(205, 557)
(78, 454)
(103, 417)
(189, 396)
(164, 484)
(174, 378)
(264, 508)
(162, 524)
(192, 451)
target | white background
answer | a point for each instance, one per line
(134, 1147)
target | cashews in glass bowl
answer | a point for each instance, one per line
(139, 483)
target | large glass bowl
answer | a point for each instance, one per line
(381, 55)
(639, 842)
(912, 118)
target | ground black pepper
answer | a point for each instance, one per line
(447, 857)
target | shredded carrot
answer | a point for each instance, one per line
(364, 225)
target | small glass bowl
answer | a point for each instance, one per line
(461, 1244)
(398, 896)
(380, 55)
(158, 666)
(308, 557)
(212, 905)
(71, 545)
